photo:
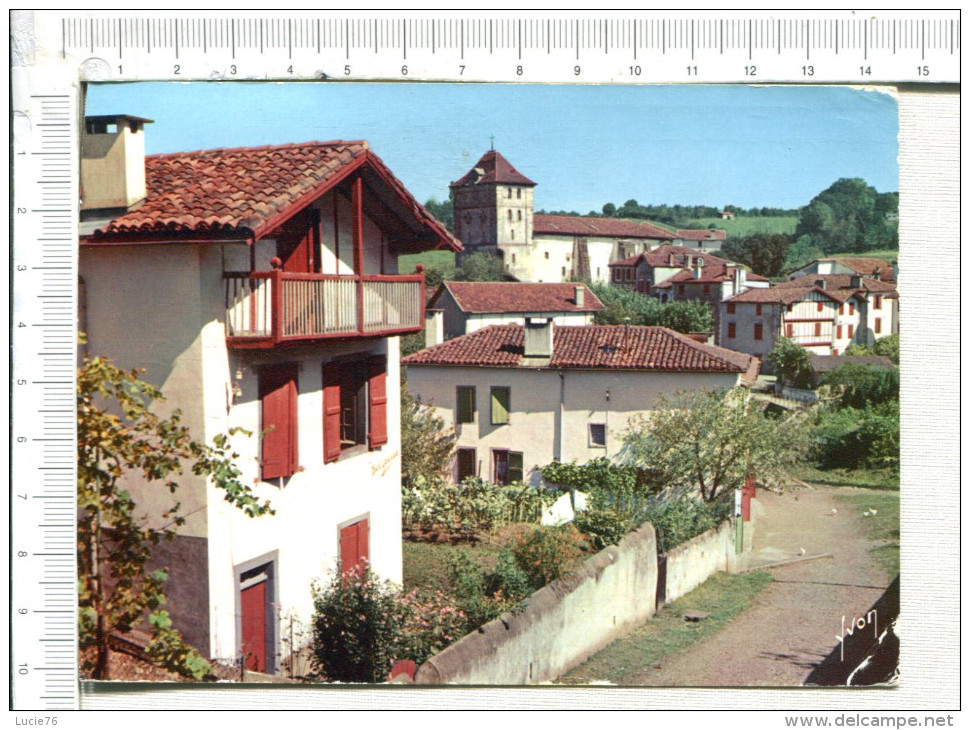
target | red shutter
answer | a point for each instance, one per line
(353, 546)
(818, 329)
(838, 332)
(278, 398)
(377, 395)
(331, 412)
(298, 242)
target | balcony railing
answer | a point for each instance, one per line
(267, 308)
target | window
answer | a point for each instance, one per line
(278, 420)
(506, 466)
(508, 193)
(616, 272)
(838, 332)
(510, 215)
(354, 406)
(851, 330)
(789, 330)
(732, 330)
(820, 306)
(877, 302)
(707, 288)
(758, 331)
(513, 258)
(842, 309)
(788, 307)
(512, 234)
(597, 434)
(501, 398)
(818, 329)
(757, 310)
(877, 326)
(851, 308)
(519, 217)
(354, 546)
(730, 308)
(547, 255)
(518, 193)
(563, 272)
(465, 400)
(466, 463)
(680, 289)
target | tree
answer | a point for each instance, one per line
(887, 346)
(850, 215)
(609, 210)
(625, 306)
(801, 252)
(426, 445)
(709, 441)
(443, 211)
(765, 253)
(480, 266)
(791, 363)
(120, 435)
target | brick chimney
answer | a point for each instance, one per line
(538, 337)
(113, 162)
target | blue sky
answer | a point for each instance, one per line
(584, 145)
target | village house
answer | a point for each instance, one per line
(879, 315)
(493, 206)
(705, 240)
(519, 397)
(849, 265)
(462, 307)
(258, 287)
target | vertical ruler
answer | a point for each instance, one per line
(43, 464)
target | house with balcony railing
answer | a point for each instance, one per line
(259, 289)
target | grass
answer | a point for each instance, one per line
(749, 225)
(430, 259)
(887, 254)
(882, 527)
(426, 563)
(885, 479)
(723, 596)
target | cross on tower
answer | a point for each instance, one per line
(491, 138)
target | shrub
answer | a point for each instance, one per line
(679, 519)
(599, 476)
(357, 627)
(468, 583)
(790, 361)
(604, 523)
(507, 580)
(547, 553)
(169, 650)
(432, 622)
(863, 385)
(880, 431)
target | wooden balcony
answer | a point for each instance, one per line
(266, 309)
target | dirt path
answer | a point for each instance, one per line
(794, 622)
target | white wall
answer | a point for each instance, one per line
(536, 428)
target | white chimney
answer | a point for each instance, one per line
(580, 296)
(698, 267)
(113, 161)
(538, 336)
(434, 327)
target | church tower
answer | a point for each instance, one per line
(493, 209)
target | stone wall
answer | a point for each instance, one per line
(561, 625)
(692, 562)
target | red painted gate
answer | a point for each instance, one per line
(253, 623)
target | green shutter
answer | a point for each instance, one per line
(500, 405)
(514, 471)
(466, 404)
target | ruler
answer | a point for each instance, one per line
(55, 53)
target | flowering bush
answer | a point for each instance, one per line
(547, 553)
(357, 627)
(431, 622)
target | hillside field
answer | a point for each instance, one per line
(431, 260)
(748, 226)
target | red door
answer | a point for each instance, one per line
(278, 399)
(253, 623)
(353, 546)
(298, 243)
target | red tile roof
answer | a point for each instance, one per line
(840, 282)
(702, 234)
(493, 168)
(785, 295)
(660, 257)
(866, 266)
(579, 225)
(249, 191)
(504, 297)
(589, 347)
(713, 274)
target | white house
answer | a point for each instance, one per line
(494, 213)
(258, 288)
(821, 319)
(879, 309)
(848, 265)
(467, 306)
(519, 397)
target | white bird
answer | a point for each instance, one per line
(801, 551)
(833, 511)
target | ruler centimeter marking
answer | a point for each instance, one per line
(887, 47)
(791, 47)
(43, 461)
